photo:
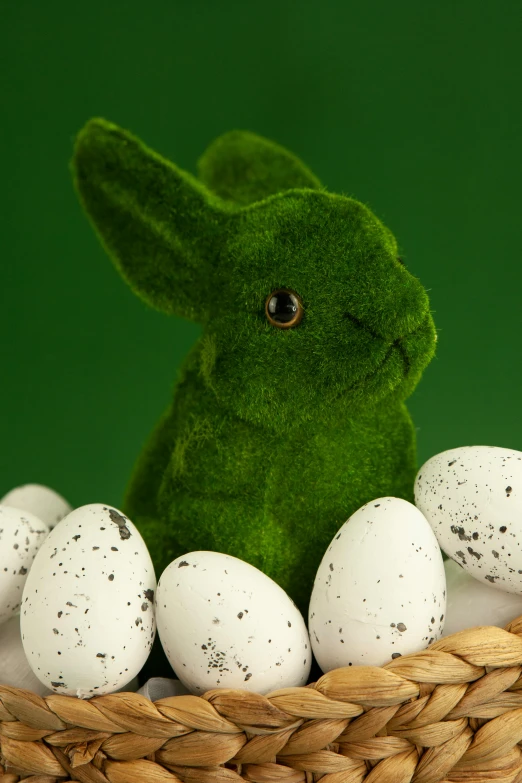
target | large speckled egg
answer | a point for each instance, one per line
(472, 497)
(87, 615)
(41, 501)
(380, 590)
(470, 602)
(21, 535)
(224, 624)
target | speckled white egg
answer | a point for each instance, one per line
(470, 602)
(41, 501)
(224, 624)
(472, 497)
(21, 535)
(380, 590)
(87, 615)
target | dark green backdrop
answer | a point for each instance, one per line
(413, 107)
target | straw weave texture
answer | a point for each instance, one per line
(450, 713)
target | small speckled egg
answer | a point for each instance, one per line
(41, 501)
(380, 590)
(87, 615)
(224, 624)
(21, 535)
(471, 603)
(472, 498)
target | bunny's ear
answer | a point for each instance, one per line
(159, 224)
(242, 167)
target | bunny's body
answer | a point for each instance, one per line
(281, 426)
(274, 500)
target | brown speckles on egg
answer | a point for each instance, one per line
(121, 521)
(460, 532)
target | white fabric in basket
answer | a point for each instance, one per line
(161, 687)
(14, 668)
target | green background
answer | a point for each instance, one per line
(414, 108)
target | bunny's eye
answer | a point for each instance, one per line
(283, 308)
(399, 259)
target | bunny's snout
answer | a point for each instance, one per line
(418, 346)
(393, 329)
(397, 333)
(394, 308)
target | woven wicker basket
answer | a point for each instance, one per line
(450, 713)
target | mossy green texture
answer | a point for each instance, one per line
(274, 436)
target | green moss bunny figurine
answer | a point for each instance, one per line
(288, 413)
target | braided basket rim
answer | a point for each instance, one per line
(452, 712)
